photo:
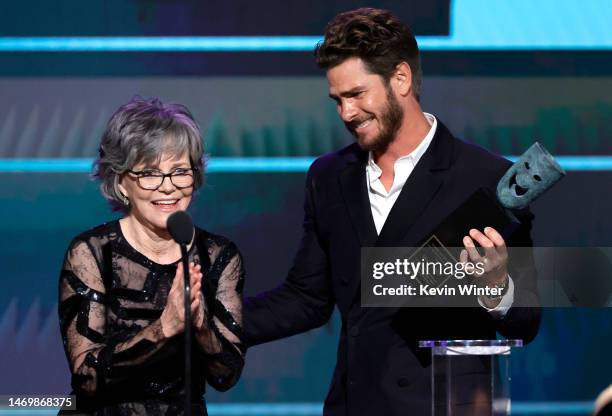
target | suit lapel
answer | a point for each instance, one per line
(419, 190)
(355, 195)
(415, 196)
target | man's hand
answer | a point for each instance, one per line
(494, 260)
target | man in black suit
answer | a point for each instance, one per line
(403, 176)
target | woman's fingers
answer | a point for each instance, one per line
(194, 273)
(197, 312)
(174, 313)
(195, 277)
(196, 291)
(177, 283)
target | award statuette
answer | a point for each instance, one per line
(530, 176)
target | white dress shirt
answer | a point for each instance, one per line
(382, 201)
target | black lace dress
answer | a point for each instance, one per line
(111, 299)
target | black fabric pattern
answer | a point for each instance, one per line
(111, 299)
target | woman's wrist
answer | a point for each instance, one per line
(208, 341)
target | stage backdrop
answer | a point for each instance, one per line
(273, 104)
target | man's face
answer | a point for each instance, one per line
(365, 103)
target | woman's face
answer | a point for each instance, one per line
(153, 207)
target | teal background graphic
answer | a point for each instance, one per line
(501, 74)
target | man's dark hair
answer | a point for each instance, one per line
(376, 36)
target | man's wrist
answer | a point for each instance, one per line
(499, 290)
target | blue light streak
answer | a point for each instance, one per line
(474, 25)
(272, 44)
(160, 44)
(258, 164)
(552, 408)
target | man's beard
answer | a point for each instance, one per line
(390, 121)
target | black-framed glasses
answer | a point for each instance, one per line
(152, 179)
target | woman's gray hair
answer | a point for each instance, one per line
(141, 131)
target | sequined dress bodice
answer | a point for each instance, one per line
(111, 299)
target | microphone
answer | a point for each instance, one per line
(180, 227)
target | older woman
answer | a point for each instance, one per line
(121, 285)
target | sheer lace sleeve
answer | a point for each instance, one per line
(221, 335)
(96, 362)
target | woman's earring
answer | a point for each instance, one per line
(126, 200)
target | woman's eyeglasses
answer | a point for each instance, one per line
(151, 180)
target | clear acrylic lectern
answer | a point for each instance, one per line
(470, 377)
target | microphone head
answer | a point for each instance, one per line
(180, 227)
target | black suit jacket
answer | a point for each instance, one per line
(380, 369)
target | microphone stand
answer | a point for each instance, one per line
(187, 298)
(181, 229)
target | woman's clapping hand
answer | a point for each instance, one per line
(173, 315)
